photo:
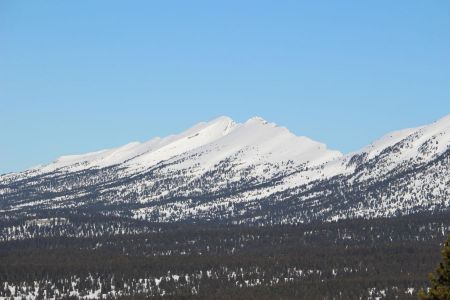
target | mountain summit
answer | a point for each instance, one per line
(220, 137)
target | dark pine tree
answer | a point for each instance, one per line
(440, 283)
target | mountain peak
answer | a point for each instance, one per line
(256, 120)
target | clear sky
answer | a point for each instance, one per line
(79, 76)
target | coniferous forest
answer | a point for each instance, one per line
(73, 256)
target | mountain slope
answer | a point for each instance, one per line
(255, 172)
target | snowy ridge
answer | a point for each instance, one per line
(215, 140)
(148, 153)
(246, 172)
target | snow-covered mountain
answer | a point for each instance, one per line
(255, 172)
(255, 142)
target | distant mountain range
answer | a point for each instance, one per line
(250, 173)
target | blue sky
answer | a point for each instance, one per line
(79, 76)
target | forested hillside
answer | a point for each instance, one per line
(93, 256)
